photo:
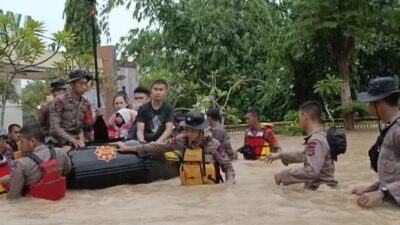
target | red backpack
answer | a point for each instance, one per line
(52, 185)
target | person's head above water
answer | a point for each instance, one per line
(253, 118)
(194, 124)
(310, 115)
(382, 97)
(32, 136)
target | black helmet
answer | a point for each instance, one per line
(378, 89)
(58, 83)
(78, 74)
(194, 120)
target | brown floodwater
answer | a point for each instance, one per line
(255, 199)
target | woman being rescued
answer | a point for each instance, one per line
(200, 154)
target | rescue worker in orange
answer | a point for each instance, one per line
(199, 153)
(27, 172)
(383, 97)
(58, 87)
(259, 141)
(319, 167)
(71, 113)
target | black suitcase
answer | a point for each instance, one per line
(91, 171)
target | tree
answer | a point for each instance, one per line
(328, 88)
(77, 21)
(32, 98)
(339, 27)
(21, 49)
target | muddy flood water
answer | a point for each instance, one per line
(255, 199)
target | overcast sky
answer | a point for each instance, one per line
(50, 12)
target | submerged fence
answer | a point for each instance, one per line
(359, 123)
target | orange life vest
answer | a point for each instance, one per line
(195, 170)
(52, 185)
(260, 147)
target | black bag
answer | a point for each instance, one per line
(337, 142)
(248, 152)
(373, 152)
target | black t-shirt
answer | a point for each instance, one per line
(154, 120)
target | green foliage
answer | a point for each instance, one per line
(293, 128)
(288, 45)
(10, 90)
(33, 96)
(78, 22)
(21, 49)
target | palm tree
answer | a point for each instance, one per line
(327, 88)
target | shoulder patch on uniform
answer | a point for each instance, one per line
(58, 104)
(311, 148)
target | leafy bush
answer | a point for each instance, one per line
(293, 128)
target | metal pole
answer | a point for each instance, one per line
(92, 12)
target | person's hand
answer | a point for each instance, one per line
(77, 143)
(121, 147)
(100, 112)
(361, 190)
(369, 199)
(66, 149)
(278, 178)
(272, 157)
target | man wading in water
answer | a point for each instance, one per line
(382, 96)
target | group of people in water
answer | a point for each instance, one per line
(203, 145)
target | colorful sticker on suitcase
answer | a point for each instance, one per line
(106, 153)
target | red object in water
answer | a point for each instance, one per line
(5, 170)
(52, 186)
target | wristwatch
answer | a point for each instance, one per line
(385, 191)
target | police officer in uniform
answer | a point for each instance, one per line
(382, 96)
(188, 145)
(319, 168)
(71, 112)
(58, 87)
(219, 132)
(26, 171)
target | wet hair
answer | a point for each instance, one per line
(254, 112)
(313, 109)
(142, 90)
(121, 94)
(160, 82)
(33, 130)
(392, 100)
(11, 127)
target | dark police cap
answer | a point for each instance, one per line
(213, 112)
(194, 120)
(378, 89)
(77, 75)
(58, 83)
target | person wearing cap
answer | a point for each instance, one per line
(319, 167)
(382, 98)
(219, 132)
(198, 152)
(27, 172)
(71, 112)
(58, 87)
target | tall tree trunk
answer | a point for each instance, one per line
(343, 62)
